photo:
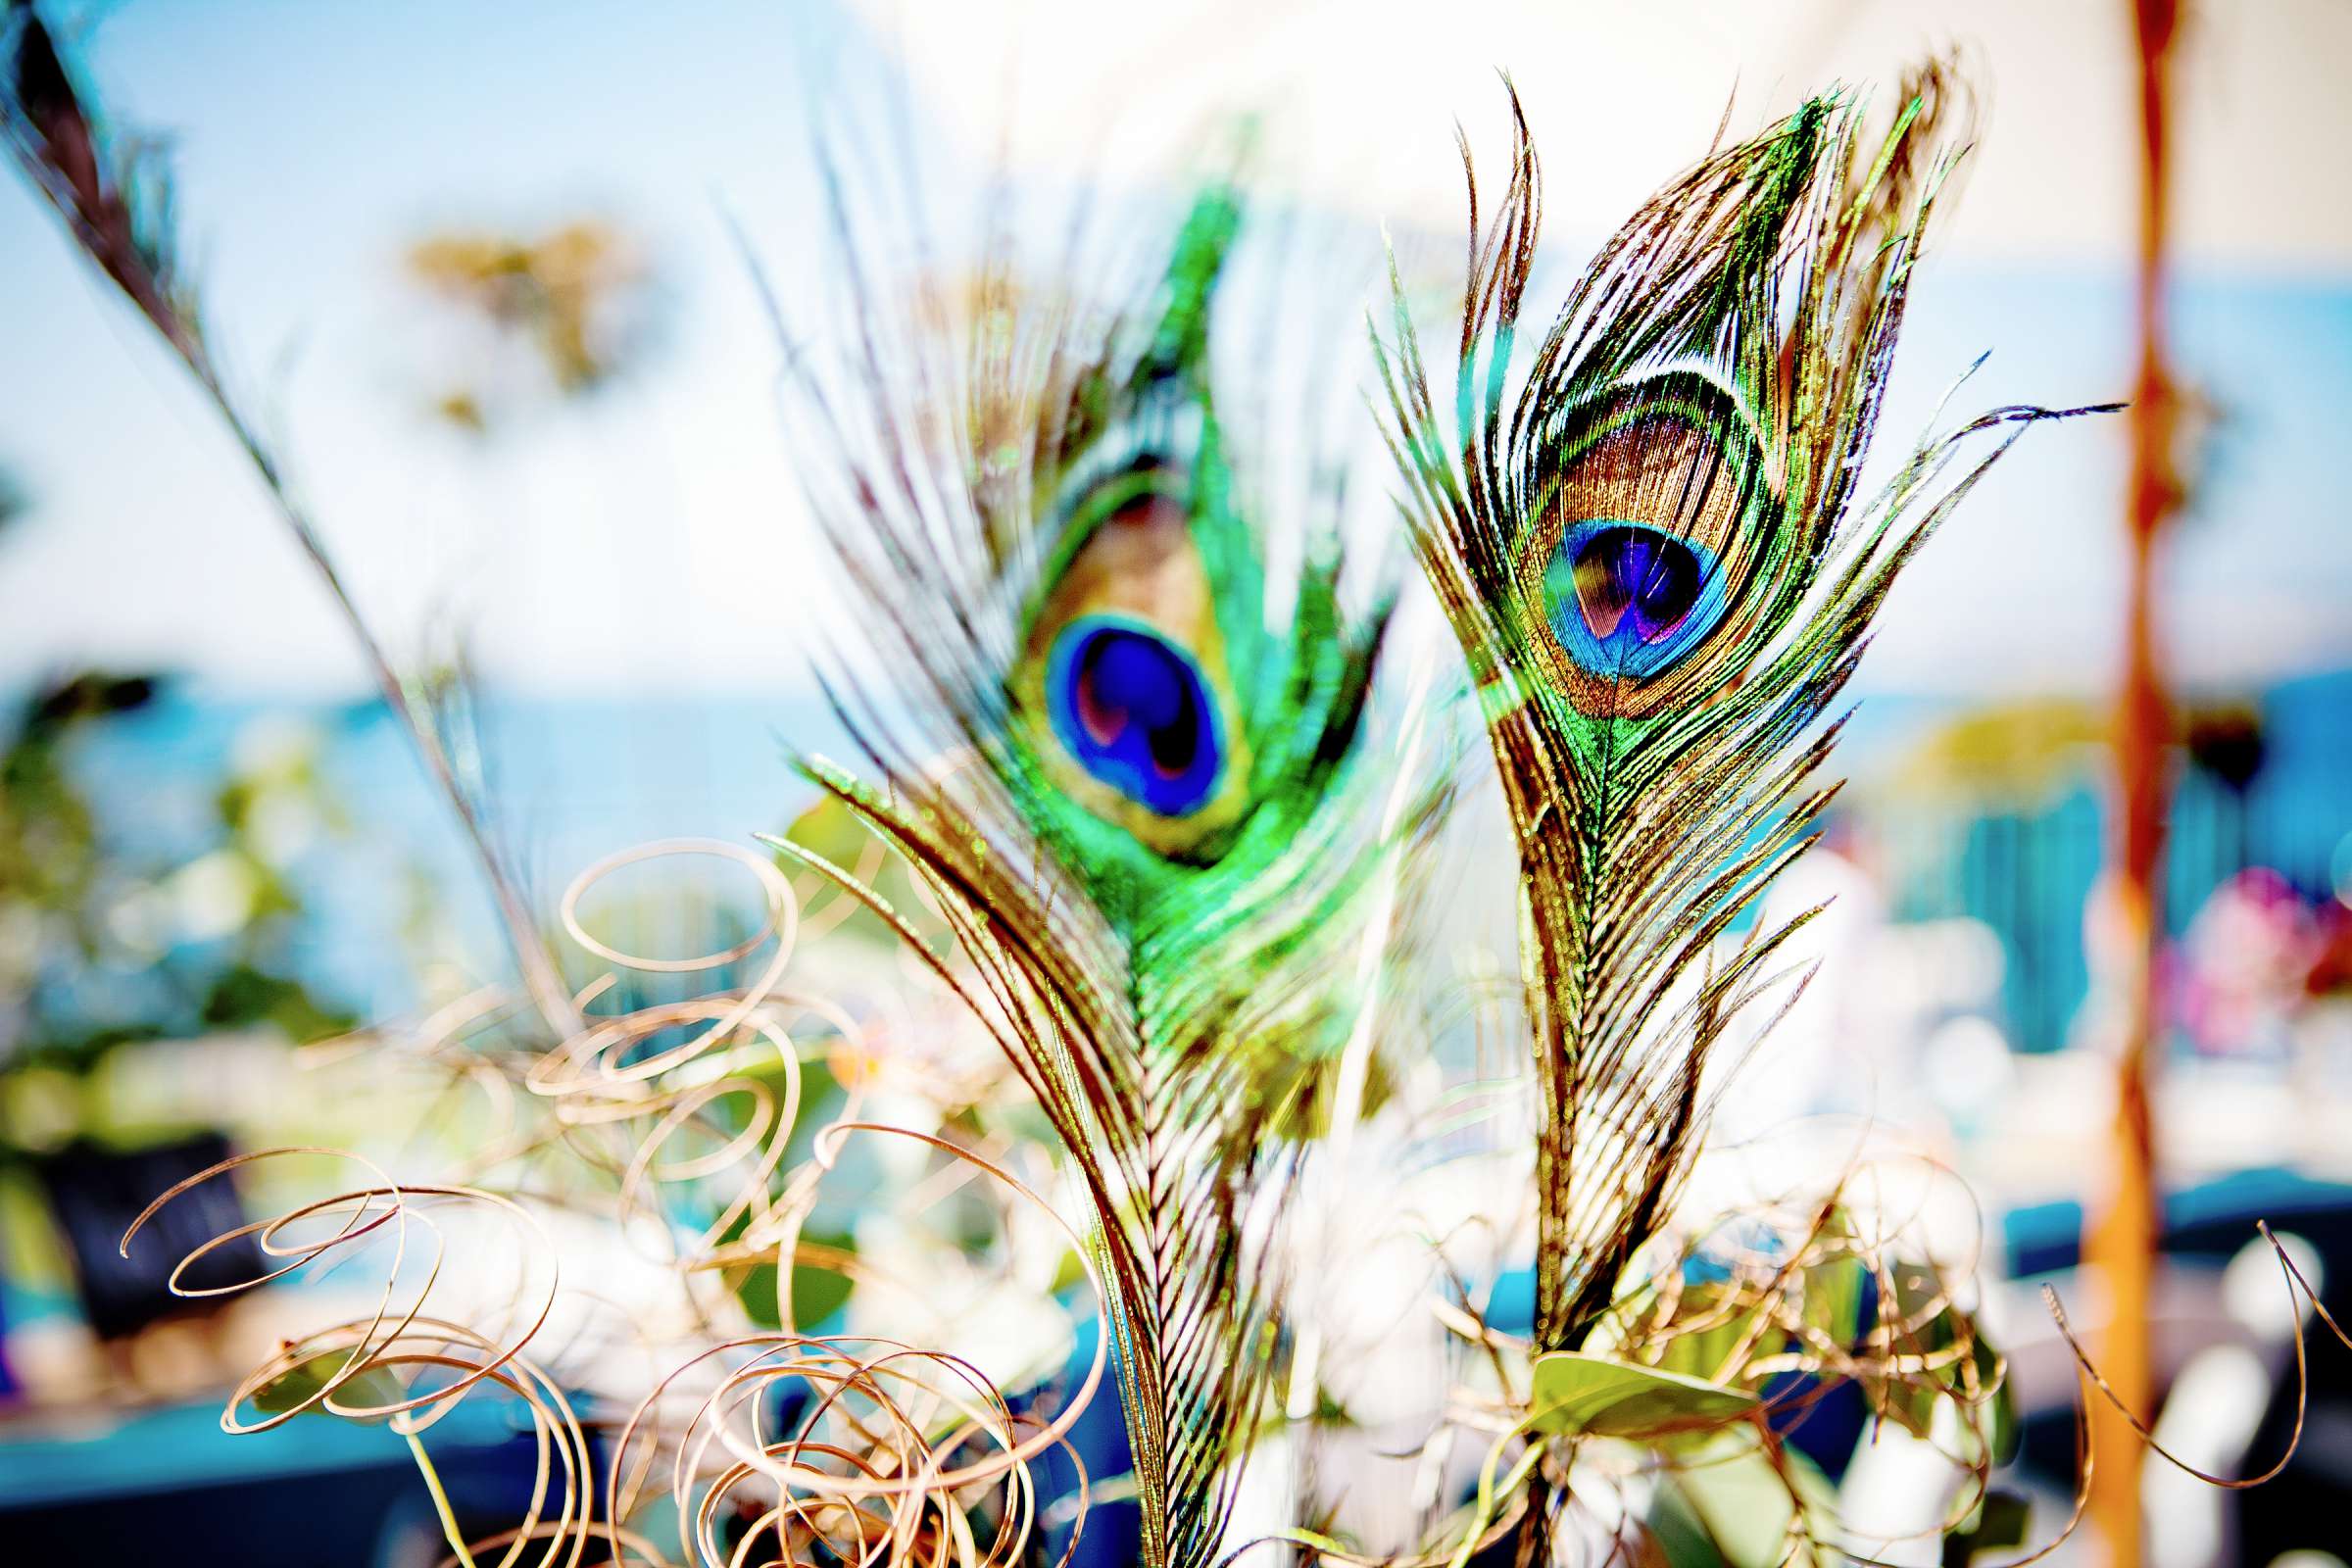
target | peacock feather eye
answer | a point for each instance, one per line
(1125, 681)
(1132, 710)
(1635, 564)
(1630, 598)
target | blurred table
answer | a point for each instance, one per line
(100, 1485)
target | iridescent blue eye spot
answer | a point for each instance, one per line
(1130, 707)
(1625, 598)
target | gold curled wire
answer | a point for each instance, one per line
(886, 1490)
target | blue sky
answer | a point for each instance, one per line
(654, 537)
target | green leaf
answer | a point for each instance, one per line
(1995, 1419)
(1575, 1393)
(1833, 1305)
(1680, 1348)
(2000, 1524)
(831, 829)
(1976, 1385)
(1070, 1273)
(1677, 1532)
(1827, 1294)
(300, 1381)
(818, 1290)
(1746, 1506)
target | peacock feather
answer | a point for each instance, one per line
(1146, 840)
(1649, 548)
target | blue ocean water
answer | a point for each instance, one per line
(568, 780)
(575, 779)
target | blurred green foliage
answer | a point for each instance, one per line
(102, 943)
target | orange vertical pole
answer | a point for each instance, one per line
(2120, 1241)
